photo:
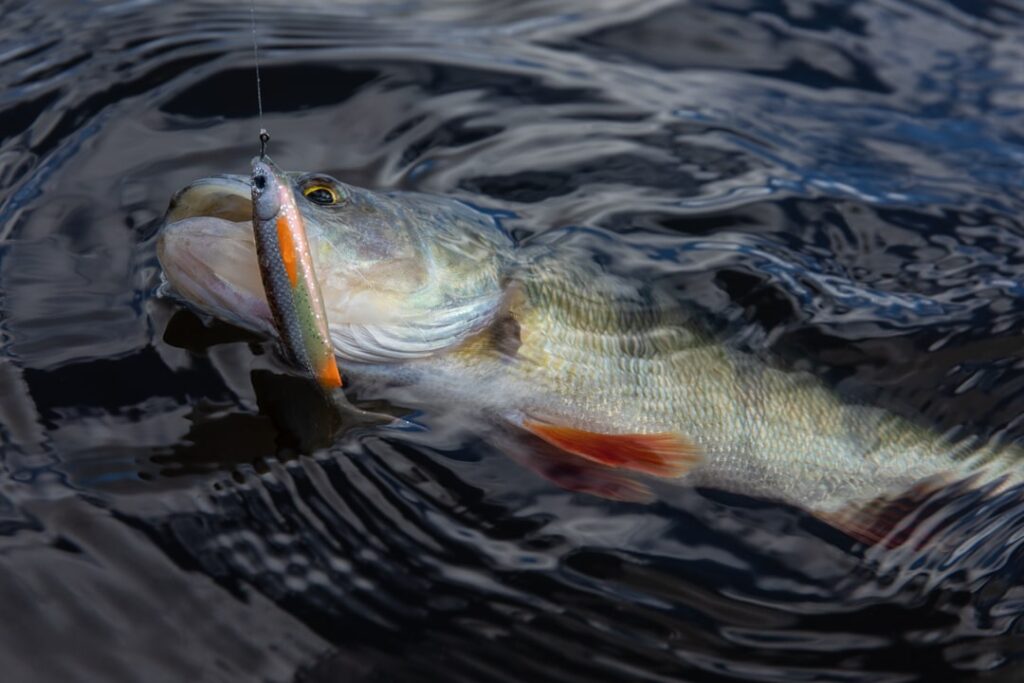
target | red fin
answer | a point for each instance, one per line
(664, 454)
(918, 512)
(585, 477)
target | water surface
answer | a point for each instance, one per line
(835, 186)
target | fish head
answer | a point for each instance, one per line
(402, 275)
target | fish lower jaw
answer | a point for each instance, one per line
(185, 251)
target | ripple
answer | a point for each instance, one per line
(835, 186)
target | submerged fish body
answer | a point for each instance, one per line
(638, 366)
(605, 368)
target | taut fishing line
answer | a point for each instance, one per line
(264, 135)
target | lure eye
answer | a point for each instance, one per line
(321, 194)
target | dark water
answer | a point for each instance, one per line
(836, 185)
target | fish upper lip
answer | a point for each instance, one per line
(228, 197)
(206, 250)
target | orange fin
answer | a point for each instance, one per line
(582, 476)
(916, 514)
(663, 454)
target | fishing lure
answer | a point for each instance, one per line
(288, 274)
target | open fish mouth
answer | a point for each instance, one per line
(208, 254)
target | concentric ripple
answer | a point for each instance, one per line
(836, 186)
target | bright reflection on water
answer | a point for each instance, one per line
(835, 185)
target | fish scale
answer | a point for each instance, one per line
(607, 368)
(639, 366)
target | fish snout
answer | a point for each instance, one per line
(208, 254)
(222, 196)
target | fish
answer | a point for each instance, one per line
(613, 380)
(289, 275)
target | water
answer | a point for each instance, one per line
(834, 185)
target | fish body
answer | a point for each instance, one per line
(641, 367)
(605, 368)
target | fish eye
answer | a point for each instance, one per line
(319, 193)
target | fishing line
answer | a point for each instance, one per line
(264, 135)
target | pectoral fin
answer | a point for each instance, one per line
(663, 454)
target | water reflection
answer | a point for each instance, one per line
(833, 185)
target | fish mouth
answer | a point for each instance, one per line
(208, 254)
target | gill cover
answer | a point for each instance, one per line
(404, 275)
